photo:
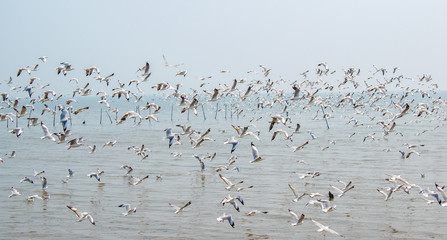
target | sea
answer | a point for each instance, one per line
(338, 149)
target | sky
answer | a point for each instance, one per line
(208, 36)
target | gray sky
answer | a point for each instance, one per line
(207, 36)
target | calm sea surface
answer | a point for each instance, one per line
(361, 214)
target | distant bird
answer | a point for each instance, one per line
(32, 197)
(234, 142)
(96, 174)
(254, 151)
(170, 136)
(36, 173)
(324, 204)
(230, 185)
(17, 131)
(253, 212)
(129, 210)
(128, 168)
(92, 149)
(202, 163)
(46, 132)
(346, 188)
(64, 119)
(297, 148)
(226, 217)
(26, 179)
(182, 73)
(82, 215)
(232, 201)
(43, 59)
(135, 181)
(179, 209)
(14, 192)
(44, 183)
(110, 143)
(74, 143)
(325, 228)
(299, 220)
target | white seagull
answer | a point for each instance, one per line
(179, 209)
(325, 228)
(82, 215)
(230, 185)
(254, 151)
(14, 192)
(129, 210)
(226, 217)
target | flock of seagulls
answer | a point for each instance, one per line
(371, 104)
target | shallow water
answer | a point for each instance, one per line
(361, 213)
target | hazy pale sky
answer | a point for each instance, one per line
(207, 36)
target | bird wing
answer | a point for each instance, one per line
(293, 214)
(254, 151)
(75, 210)
(238, 130)
(174, 206)
(321, 226)
(295, 192)
(226, 181)
(187, 204)
(90, 218)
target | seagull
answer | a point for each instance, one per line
(231, 200)
(92, 149)
(110, 143)
(44, 183)
(95, 174)
(411, 152)
(279, 131)
(14, 192)
(346, 188)
(202, 164)
(299, 220)
(309, 174)
(128, 167)
(82, 215)
(170, 136)
(12, 154)
(46, 132)
(129, 210)
(179, 209)
(230, 185)
(325, 228)
(234, 142)
(26, 179)
(226, 217)
(17, 131)
(135, 181)
(324, 204)
(441, 192)
(43, 59)
(297, 148)
(254, 151)
(32, 197)
(253, 212)
(182, 73)
(74, 143)
(36, 173)
(69, 176)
